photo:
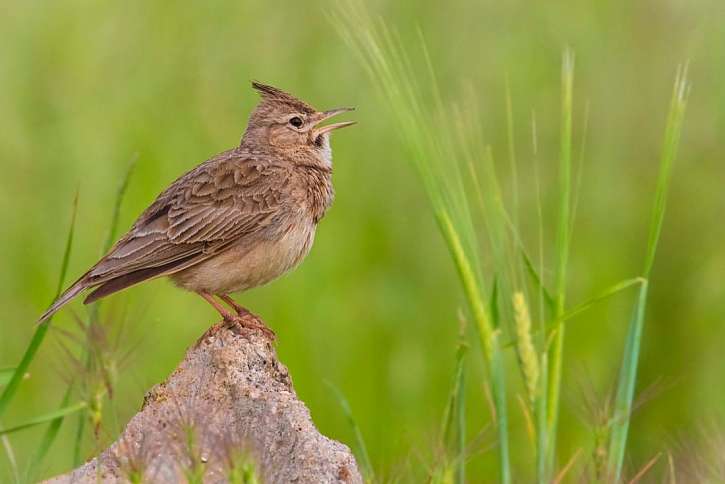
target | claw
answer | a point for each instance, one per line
(245, 324)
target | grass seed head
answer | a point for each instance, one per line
(525, 345)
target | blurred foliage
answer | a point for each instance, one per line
(87, 86)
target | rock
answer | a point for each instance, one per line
(229, 397)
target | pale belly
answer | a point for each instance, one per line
(239, 268)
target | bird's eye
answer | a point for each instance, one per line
(296, 122)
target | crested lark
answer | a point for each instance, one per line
(236, 221)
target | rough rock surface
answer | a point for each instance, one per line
(232, 396)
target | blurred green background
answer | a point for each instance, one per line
(86, 86)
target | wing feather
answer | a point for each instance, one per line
(233, 198)
(225, 200)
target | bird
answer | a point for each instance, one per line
(234, 222)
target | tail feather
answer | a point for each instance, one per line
(126, 280)
(107, 286)
(62, 300)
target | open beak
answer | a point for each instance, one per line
(331, 127)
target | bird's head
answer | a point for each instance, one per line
(285, 124)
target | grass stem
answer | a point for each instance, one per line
(628, 371)
(562, 250)
(40, 330)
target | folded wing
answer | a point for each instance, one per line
(227, 200)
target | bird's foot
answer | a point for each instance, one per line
(242, 320)
(248, 322)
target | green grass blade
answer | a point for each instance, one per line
(542, 457)
(436, 154)
(565, 185)
(489, 341)
(562, 250)
(628, 371)
(455, 412)
(42, 329)
(96, 306)
(673, 132)
(461, 427)
(498, 374)
(362, 449)
(510, 138)
(78, 440)
(450, 410)
(50, 435)
(120, 194)
(625, 388)
(113, 227)
(586, 305)
(62, 412)
(538, 283)
(495, 313)
(5, 375)
(606, 294)
(467, 274)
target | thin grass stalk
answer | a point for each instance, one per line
(586, 305)
(502, 233)
(625, 388)
(606, 294)
(673, 133)
(501, 227)
(461, 425)
(471, 289)
(562, 250)
(628, 371)
(95, 307)
(432, 148)
(546, 303)
(78, 439)
(113, 227)
(42, 329)
(489, 341)
(362, 450)
(49, 437)
(454, 415)
(512, 153)
(45, 418)
(542, 476)
(449, 413)
(580, 166)
(546, 300)
(498, 379)
(489, 337)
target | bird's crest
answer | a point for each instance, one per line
(274, 94)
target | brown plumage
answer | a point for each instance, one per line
(236, 221)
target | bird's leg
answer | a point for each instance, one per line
(241, 311)
(228, 317)
(244, 318)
